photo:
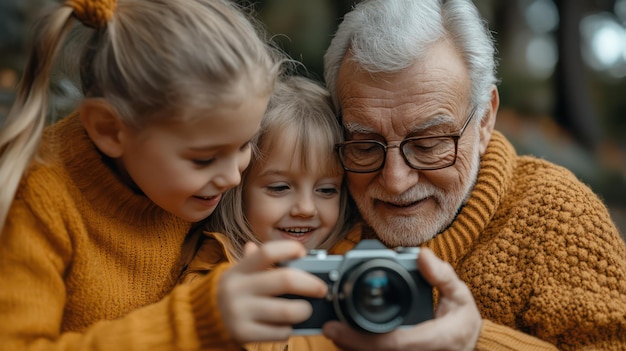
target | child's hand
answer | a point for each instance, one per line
(247, 293)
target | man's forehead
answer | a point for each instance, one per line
(363, 127)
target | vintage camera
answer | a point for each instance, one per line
(371, 287)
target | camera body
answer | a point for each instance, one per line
(371, 287)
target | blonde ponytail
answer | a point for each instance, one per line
(21, 132)
(151, 60)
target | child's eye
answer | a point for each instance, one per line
(277, 188)
(245, 146)
(328, 191)
(203, 162)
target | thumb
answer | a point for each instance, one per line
(249, 248)
(438, 273)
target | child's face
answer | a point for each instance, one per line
(284, 201)
(185, 167)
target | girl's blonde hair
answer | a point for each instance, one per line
(149, 59)
(298, 106)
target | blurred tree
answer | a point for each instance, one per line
(13, 14)
(574, 108)
(16, 18)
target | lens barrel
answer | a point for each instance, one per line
(375, 295)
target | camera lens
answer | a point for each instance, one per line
(376, 295)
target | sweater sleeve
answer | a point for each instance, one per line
(33, 295)
(296, 343)
(212, 332)
(209, 254)
(576, 260)
(553, 266)
(495, 337)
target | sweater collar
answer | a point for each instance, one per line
(96, 181)
(496, 170)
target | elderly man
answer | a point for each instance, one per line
(414, 82)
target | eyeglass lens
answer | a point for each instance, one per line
(419, 153)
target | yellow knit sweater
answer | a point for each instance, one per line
(88, 264)
(539, 251)
(541, 255)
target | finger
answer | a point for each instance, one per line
(282, 281)
(347, 338)
(279, 311)
(424, 336)
(270, 254)
(456, 310)
(438, 273)
(249, 248)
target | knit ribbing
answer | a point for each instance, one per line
(213, 335)
(497, 338)
(494, 175)
(94, 180)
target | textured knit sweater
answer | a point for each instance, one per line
(540, 253)
(86, 263)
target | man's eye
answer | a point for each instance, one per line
(429, 145)
(366, 148)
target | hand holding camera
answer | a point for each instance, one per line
(371, 288)
(247, 293)
(456, 325)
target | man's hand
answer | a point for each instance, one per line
(456, 325)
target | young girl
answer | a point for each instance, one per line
(293, 188)
(94, 215)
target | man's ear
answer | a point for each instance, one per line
(103, 126)
(489, 120)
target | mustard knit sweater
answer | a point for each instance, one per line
(539, 251)
(88, 264)
(540, 254)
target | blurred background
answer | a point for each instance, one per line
(562, 66)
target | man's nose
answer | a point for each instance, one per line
(396, 176)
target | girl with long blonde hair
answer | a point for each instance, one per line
(95, 210)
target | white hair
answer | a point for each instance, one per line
(391, 35)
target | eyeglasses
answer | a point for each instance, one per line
(421, 153)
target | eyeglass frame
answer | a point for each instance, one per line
(455, 137)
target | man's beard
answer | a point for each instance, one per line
(420, 227)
